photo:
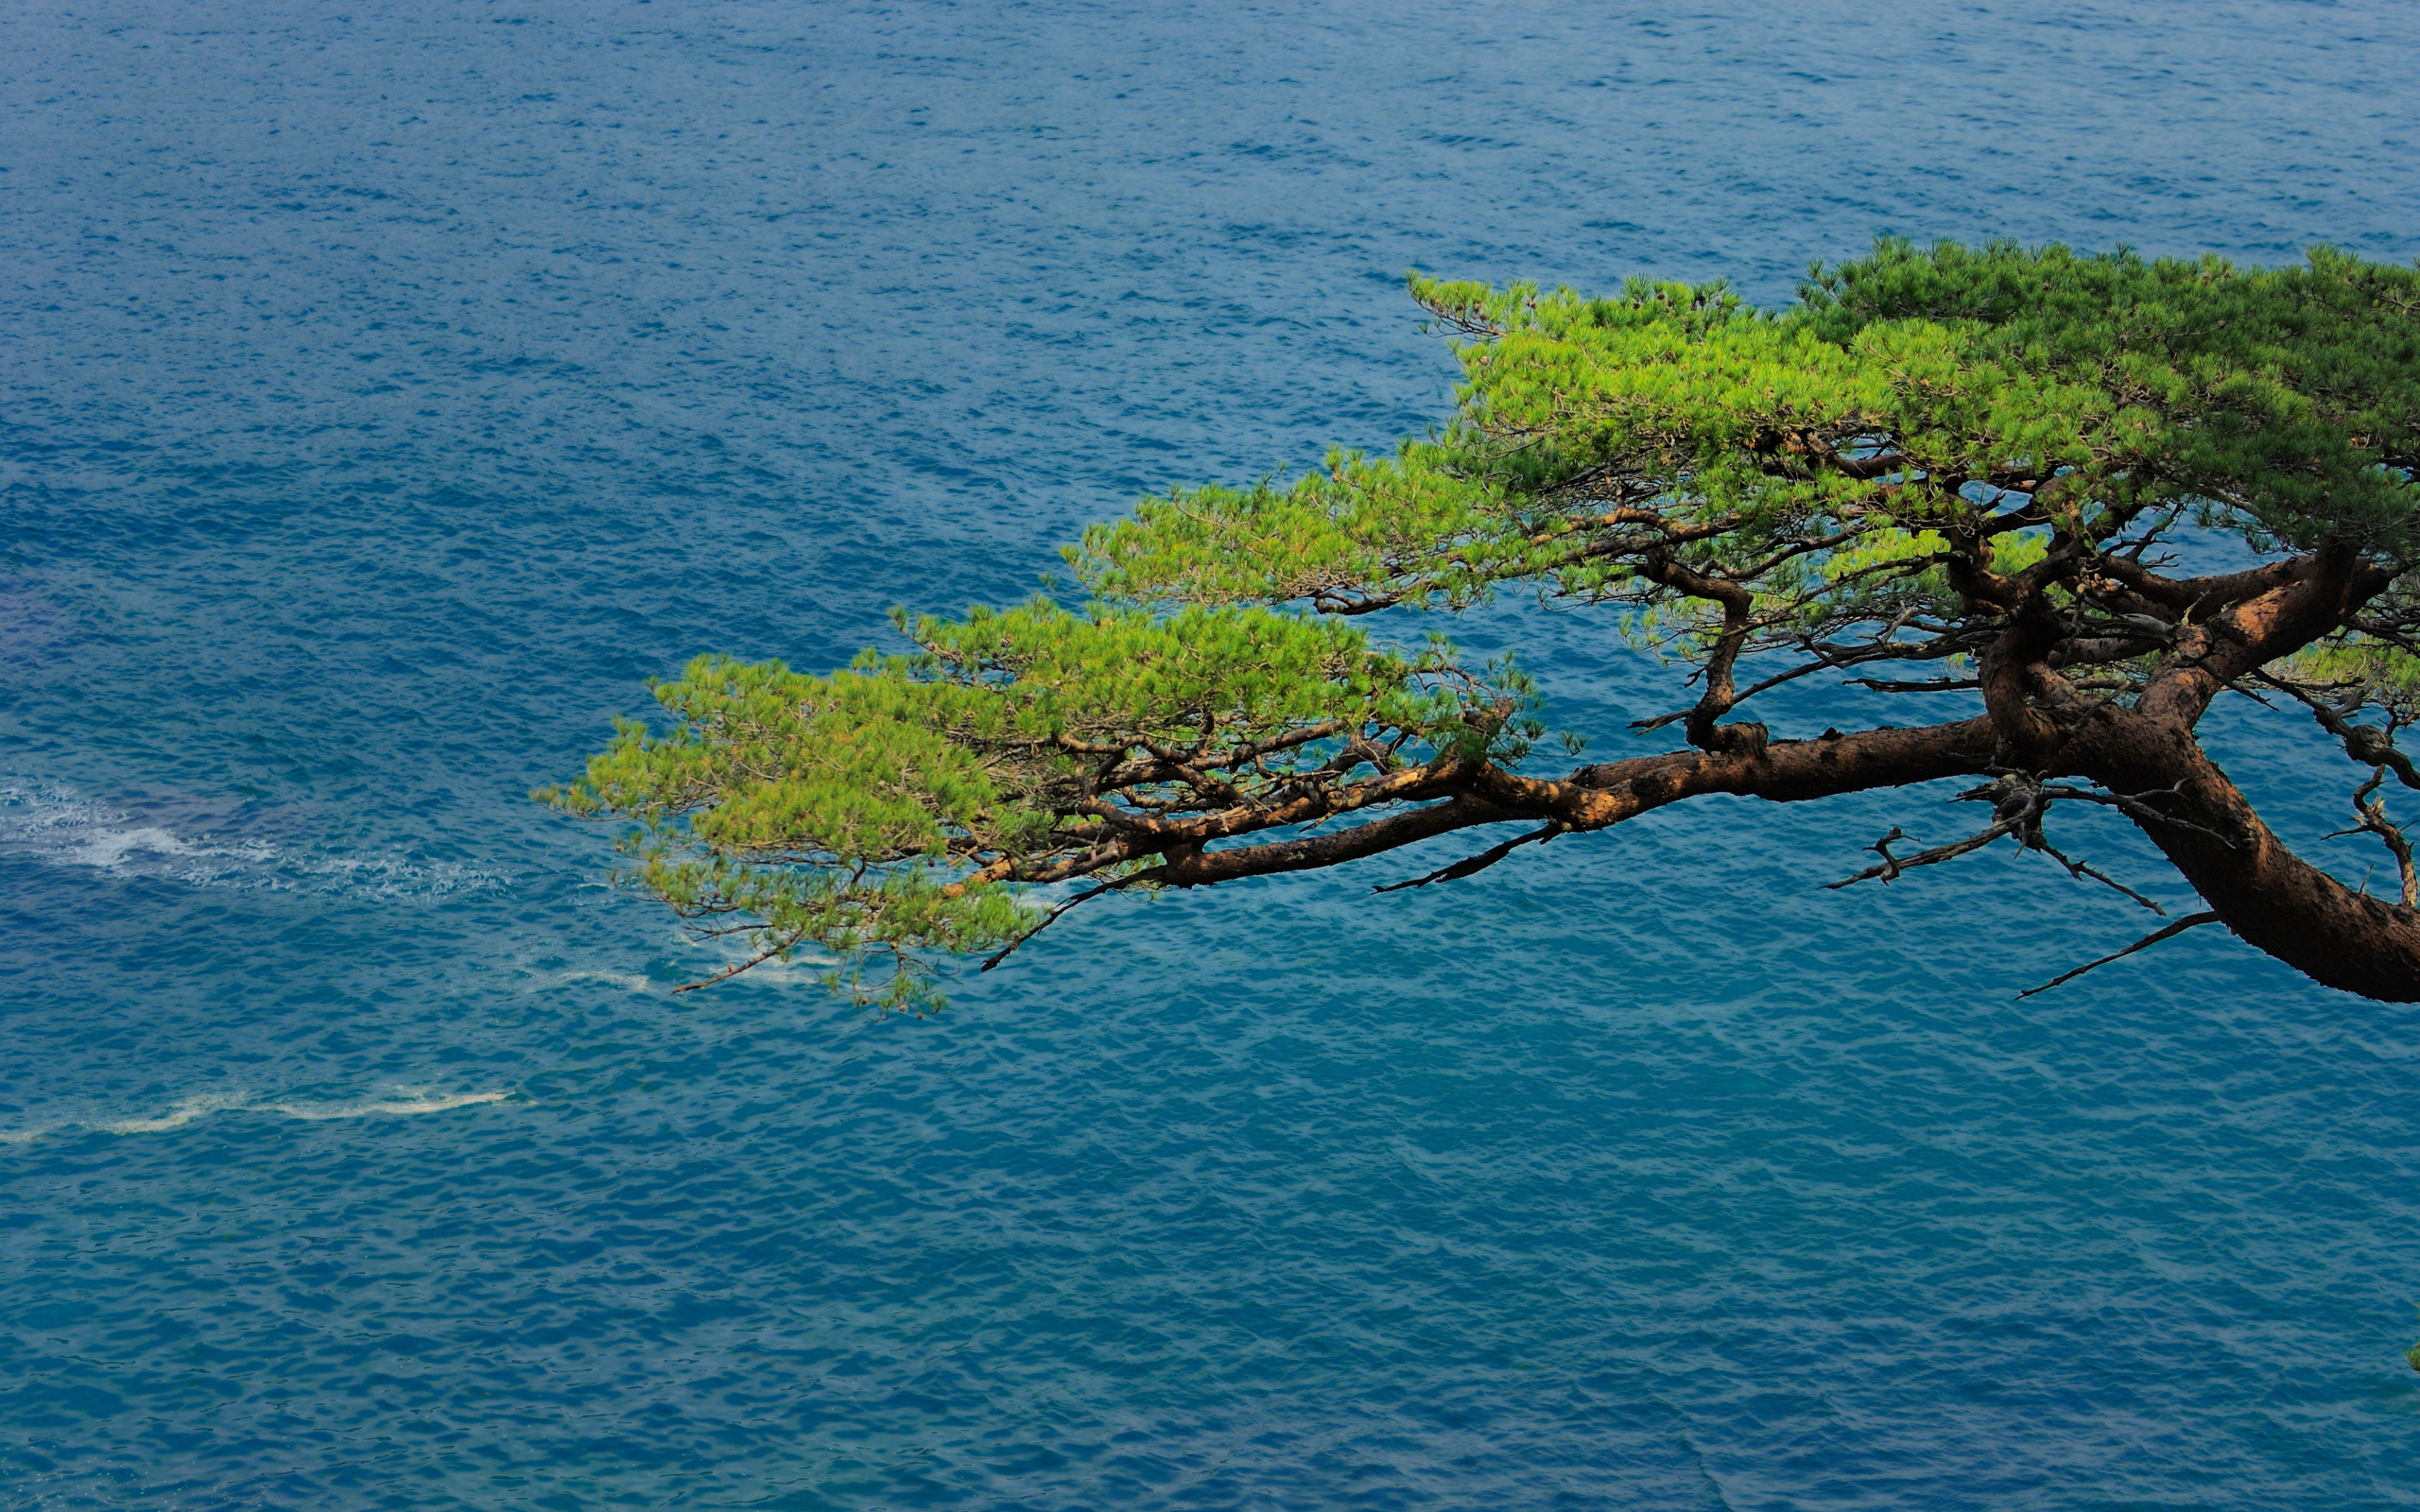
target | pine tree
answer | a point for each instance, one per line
(1985, 462)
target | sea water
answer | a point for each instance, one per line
(387, 391)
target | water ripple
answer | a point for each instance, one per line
(388, 392)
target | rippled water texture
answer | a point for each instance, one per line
(387, 391)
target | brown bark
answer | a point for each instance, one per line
(1196, 868)
(2272, 898)
(1593, 797)
(1737, 603)
(2036, 721)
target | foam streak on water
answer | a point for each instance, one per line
(189, 1110)
(388, 390)
(51, 823)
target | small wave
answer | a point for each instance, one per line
(393, 877)
(402, 1102)
(61, 827)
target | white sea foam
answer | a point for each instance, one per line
(803, 967)
(406, 1101)
(109, 847)
(627, 980)
(31, 812)
(801, 964)
(193, 1110)
(58, 826)
(401, 1101)
(392, 876)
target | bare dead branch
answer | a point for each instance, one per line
(1890, 866)
(2374, 821)
(1930, 685)
(1051, 918)
(2169, 931)
(2133, 807)
(2366, 744)
(757, 959)
(2019, 801)
(2080, 872)
(1477, 863)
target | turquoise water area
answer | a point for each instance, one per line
(387, 391)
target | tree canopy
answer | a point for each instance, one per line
(1986, 462)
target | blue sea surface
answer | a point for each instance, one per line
(387, 391)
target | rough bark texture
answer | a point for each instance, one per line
(2272, 898)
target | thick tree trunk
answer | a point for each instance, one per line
(2272, 898)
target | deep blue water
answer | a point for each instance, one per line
(387, 391)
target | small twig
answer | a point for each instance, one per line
(1051, 918)
(2130, 805)
(2375, 822)
(1932, 685)
(1479, 863)
(2080, 871)
(1891, 865)
(2188, 921)
(730, 971)
(2366, 744)
(2019, 801)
